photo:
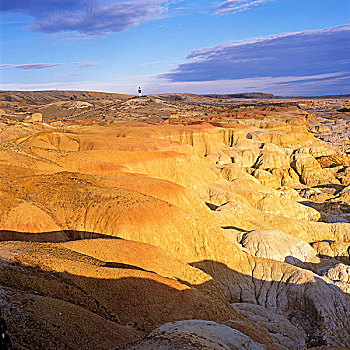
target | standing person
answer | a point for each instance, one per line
(140, 92)
(5, 339)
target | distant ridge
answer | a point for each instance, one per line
(262, 95)
(244, 95)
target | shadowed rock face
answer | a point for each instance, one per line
(281, 328)
(123, 231)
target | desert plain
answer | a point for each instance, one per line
(174, 221)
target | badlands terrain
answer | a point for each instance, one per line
(226, 226)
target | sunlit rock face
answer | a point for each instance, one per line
(213, 232)
(279, 246)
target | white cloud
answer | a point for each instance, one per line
(234, 6)
(85, 64)
(36, 66)
(31, 66)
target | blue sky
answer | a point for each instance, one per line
(287, 47)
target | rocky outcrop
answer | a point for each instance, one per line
(287, 335)
(279, 246)
(205, 334)
(339, 275)
(310, 170)
(267, 179)
(333, 249)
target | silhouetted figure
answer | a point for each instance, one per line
(5, 339)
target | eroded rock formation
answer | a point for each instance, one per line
(207, 233)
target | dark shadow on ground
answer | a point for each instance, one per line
(211, 206)
(117, 265)
(52, 237)
(234, 228)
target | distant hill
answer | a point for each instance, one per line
(50, 96)
(262, 95)
(326, 97)
(256, 95)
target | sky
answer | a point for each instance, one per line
(285, 47)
